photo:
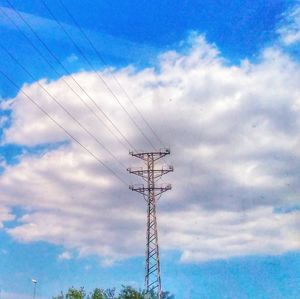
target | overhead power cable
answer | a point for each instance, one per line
(63, 107)
(98, 74)
(111, 73)
(63, 79)
(65, 130)
(73, 78)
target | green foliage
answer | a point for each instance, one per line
(75, 294)
(130, 293)
(97, 294)
(127, 292)
(110, 293)
(102, 294)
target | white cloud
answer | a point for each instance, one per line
(290, 29)
(5, 215)
(203, 235)
(234, 136)
(66, 255)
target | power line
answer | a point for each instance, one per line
(98, 74)
(111, 73)
(65, 130)
(63, 79)
(73, 78)
(62, 106)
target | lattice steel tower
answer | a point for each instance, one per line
(151, 193)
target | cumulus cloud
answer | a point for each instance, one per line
(203, 235)
(234, 138)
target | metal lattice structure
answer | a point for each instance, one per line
(151, 193)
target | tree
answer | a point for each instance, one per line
(97, 294)
(110, 293)
(127, 292)
(102, 294)
(75, 294)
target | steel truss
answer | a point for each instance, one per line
(151, 193)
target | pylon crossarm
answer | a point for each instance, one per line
(162, 190)
(144, 172)
(155, 155)
(144, 192)
(160, 172)
(141, 190)
(142, 156)
(160, 153)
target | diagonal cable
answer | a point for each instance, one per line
(98, 74)
(65, 130)
(73, 78)
(63, 107)
(62, 78)
(111, 73)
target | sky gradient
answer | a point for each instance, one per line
(217, 81)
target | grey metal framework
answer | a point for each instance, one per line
(151, 193)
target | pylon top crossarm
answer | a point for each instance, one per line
(156, 155)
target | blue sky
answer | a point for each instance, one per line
(219, 82)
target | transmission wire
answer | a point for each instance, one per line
(98, 74)
(77, 83)
(111, 73)
(62, 107)
(50, 65)
(65, 130)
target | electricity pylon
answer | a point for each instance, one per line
(151, 193)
